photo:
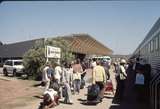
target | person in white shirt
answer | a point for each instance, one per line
(93, 64)
(50, 99)
(58, 72)
(45, 78)
(67, 80)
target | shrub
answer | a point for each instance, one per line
(34, 59)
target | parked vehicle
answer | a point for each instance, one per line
(14, 67)
(104, 58)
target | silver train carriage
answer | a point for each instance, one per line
(149, 50)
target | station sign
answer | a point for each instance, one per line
(53, 52)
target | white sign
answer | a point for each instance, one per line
(53, 52)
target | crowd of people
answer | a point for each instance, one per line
(62, 81)
(133, 77)
(65, 80)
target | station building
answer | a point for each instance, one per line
(80, 44)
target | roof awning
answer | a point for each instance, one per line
(85, 44)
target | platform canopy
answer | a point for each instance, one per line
(85, 44)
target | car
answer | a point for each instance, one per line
(14, 67)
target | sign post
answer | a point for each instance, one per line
(52, 52)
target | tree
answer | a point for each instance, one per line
(34, 60)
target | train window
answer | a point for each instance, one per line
(152, 46)
(149, 46)
(156, 43)
(159, 41)
(146, 49)
(143, 50)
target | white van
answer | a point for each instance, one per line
(13, 67)
(104, 58)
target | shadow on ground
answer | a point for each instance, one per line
(85, 102)
(37, 96)
(129, 102)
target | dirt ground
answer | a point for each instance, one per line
(16, 92)
(21, 94)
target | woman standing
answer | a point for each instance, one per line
(67, 79)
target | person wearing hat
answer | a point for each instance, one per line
(122, 77)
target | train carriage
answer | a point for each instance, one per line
(149, 50)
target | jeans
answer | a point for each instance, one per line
(76, 85)
(67, 98)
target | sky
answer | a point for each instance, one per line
(119, 25)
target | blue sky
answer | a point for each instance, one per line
(120, 25)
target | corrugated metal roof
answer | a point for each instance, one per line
(85, 44)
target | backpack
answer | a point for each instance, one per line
(139, 79)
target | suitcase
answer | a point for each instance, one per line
(92, 93)
(109, 87)
(64, 91)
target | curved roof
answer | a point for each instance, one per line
(85, 44)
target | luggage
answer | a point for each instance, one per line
(54, 85)
(93, 92)
(109, 87)
(64, 91)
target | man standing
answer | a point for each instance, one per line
(123, 76)
(66, 80)
(45, 78)
(77, 71)
(99, 78)
(58, 73)
(93, 63)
